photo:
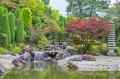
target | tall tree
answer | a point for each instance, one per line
(87, 8)
(46, 1)
(11, 18)
(5, 29)
(20, 31)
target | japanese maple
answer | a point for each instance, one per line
(88, 30)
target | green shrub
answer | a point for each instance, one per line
(118, 40)
(104, 49)
(5, 29)
(62, 19)
(42, 42)
(17, 14)
(61, 25)
(20, 32)
(117, 51)
(94, 50)
(3, 50)
(26, 15)
(79, 48)
(61, 34)
(15, 50)
(12, 26)
(37, 22)
(21, 46)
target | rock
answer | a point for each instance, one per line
(2, 69)
(76, 59)
(88, 57)
(19, 62)
(72, 51)
(71, 65)
(54, 61)
(61, 55)
(66, 54)
(64, 61)
(48, 59)
(16, 62)
(28, 49)
(26, 56)
(23, 61)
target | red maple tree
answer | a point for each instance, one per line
(89, 30)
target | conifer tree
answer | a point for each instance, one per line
(20, 31)
(5, 29)
(12, 26)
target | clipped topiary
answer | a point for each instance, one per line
(5, 29)
(12, 26)
(20, 32)
(26, 15)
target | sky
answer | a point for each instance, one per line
(62, 4)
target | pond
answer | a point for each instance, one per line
(43, 70)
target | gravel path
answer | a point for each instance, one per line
(102, 63)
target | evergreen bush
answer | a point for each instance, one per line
(20, 32)
(12, 26)
(37, 22)
(5, 29)
(26, 15)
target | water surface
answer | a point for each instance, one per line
(45, 70)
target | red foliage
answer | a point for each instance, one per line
(93, 27)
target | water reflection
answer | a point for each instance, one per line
(39, 65)
(45, 70)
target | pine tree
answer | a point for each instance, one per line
(20, 31)
(5, 29)
(12, 26)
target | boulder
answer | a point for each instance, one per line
(62, 55)
(2, 69)
(48, 59)
(72, 51)
(88, 57)
(54, 61)
(71, 65)
(19, 62)
(26, 56)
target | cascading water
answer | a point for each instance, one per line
(38, 60)
(39, 56)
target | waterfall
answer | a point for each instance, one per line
(39, 56)
(39, 64)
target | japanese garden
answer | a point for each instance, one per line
(39, 42)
